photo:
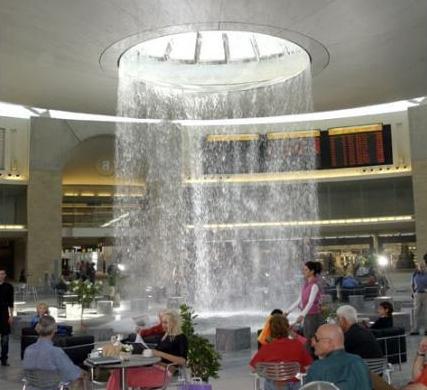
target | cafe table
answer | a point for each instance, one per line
(133, 361)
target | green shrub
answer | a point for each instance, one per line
(202, 359)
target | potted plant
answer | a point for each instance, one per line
(86, 292)
(202, 359)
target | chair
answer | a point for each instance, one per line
(276, 371)
(181, 375)
(393, 344)
(319, 385)
(43, 379)
(380, 367)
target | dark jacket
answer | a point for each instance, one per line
(383, 323)
(360, 341)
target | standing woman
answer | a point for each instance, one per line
(309, 300)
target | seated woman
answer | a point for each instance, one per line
(265, 336)
(419, 369)
(173, 348)
(385, 311)
(42, 309)
(281, 349)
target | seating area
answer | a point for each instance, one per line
(76, 347)
(236, 344)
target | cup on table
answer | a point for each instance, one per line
(147, 353)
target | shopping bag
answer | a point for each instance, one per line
(196, 384)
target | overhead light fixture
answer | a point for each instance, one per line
(12, 227)
(114, 220)
(329, 222)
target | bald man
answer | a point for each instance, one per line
(345, 370)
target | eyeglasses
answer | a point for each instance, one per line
(317, 339)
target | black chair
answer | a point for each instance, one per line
(29, 336)
(393, 344)
(76, 347)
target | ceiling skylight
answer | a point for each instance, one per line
(216, 47)
(219, 60)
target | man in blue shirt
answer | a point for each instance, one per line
(43, 355)
(345, 370)
(419, 289)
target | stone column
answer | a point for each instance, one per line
(50, 141)
(44, 243)
(417, 130)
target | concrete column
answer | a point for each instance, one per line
(417, 130)
(51, 142)
(44, 243)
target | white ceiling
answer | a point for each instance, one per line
(50, 49)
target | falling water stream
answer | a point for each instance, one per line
(217, 244)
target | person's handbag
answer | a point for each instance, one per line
(195, 384)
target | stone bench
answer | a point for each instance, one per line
(357, 301)
(101, 334)
(402, 320)
(232, 339)
(378, 300)
(174, 302)
(104, 307)
(140, 305)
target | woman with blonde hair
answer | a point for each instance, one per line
(42, 309)
(173, 348)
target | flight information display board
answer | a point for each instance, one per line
(231, 154)
(292, 151)
(305, 150)
(357, 146)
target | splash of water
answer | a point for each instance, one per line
(170, 238)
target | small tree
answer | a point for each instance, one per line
(86, 292)
(202, 358)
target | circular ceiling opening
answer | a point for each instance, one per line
(214, 60)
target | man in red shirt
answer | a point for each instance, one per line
(282, 349)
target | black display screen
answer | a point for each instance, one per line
(357, 147)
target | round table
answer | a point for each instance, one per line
(134, 361)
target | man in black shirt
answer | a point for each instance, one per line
(6, 315)
(357, 339)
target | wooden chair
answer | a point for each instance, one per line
(278, 372)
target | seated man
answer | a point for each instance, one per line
(345, 370)
(44, 356)
(357, 339)
(281, 349)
